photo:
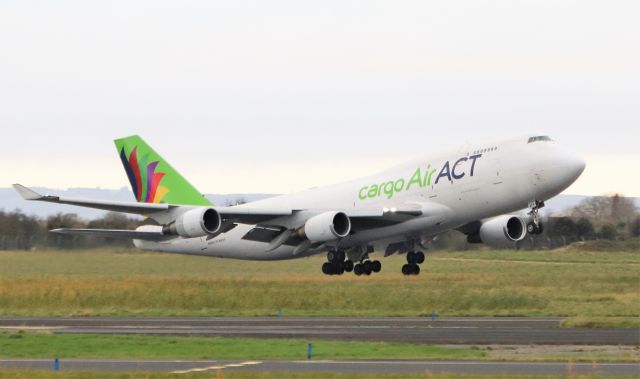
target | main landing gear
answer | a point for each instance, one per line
(535, 226)
(367, 267)
(337, 265)
(414, 258)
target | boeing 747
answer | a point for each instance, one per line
(474, 190)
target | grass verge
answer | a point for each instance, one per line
(592, 288)
(44, 345)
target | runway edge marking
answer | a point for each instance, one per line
(222, 367)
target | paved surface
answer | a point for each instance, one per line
(464, 367)
(463, 330)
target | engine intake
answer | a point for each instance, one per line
(197, 222)
(500, 231)
(326, 226)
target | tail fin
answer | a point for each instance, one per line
(152, 179)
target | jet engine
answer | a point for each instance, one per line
(500, 231)
(326, 226)
(197, 222)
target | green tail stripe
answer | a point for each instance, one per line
(152, 179)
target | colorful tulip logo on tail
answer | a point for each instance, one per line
(145, 182)
(152, 179)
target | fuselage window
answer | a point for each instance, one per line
(539, 138)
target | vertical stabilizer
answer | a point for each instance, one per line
(152, 179)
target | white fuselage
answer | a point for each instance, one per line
(473, 183)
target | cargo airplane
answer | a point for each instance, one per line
(474, 190)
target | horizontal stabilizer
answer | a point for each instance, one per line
(27, 193)
(115, 206)
(114, 233)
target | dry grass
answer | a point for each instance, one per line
(586, 285)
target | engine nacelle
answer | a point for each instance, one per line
(502, 230)
(197, 222)
(326, 226)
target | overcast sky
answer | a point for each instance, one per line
(278, 96)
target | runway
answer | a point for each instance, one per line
(446, 330)
(460, 367)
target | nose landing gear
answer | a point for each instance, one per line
(414, 258)
(535, 226)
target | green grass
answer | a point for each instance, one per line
(98, 346)
(270, 375)
(592, 288)
(41, 345)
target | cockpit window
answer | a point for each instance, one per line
(539, 138)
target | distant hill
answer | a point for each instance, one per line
(10, 200)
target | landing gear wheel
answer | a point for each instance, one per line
(419, 257)
(376, 266)
(336, 264)
(358, 269)
(410, 269)
(348, 266)
(411, 257)
(535, 227)
(532, 228)
(367, 267)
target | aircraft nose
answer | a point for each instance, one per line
(576, 164)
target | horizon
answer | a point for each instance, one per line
(10, 201)
(127, 188)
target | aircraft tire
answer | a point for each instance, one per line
(415, 270)
(332, 256)
(406, 269)
(358, 269)
(411, 257)
(419, 257)
(326, 268)
(376, 266)
(348, 266)
(338, 269)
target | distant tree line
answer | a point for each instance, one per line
(612, 217)
(24, 232)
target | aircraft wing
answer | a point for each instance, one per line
(376, 218)
(273, 225)
(115, 206)
(114, 233)
(276, 234)
(163, 213)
